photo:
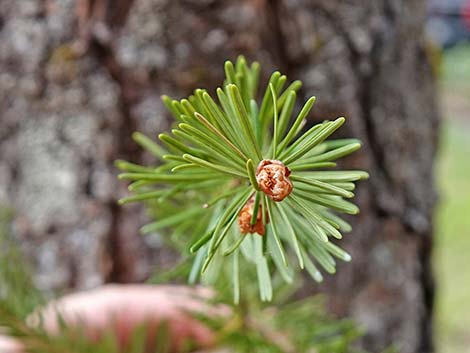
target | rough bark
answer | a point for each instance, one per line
(77, 77)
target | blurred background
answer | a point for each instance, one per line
(448, 28)
(453, 225)
(77, 77)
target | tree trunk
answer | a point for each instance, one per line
(77, 77)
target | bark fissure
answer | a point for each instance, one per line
(275, 15)
(101, 46)
(427, 280)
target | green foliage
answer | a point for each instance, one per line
(300, 326)
(286, 325)
(205, 176)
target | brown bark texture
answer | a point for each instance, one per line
(78, 76)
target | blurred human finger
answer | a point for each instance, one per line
(9, 345)
(123, 308)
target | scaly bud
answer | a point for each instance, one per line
(273, 179)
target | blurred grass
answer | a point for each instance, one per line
(456, 68)
(453, 218)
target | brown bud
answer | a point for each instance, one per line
(273, 179)
(245, 215)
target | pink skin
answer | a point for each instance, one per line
(122, 308)
(8, 345)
